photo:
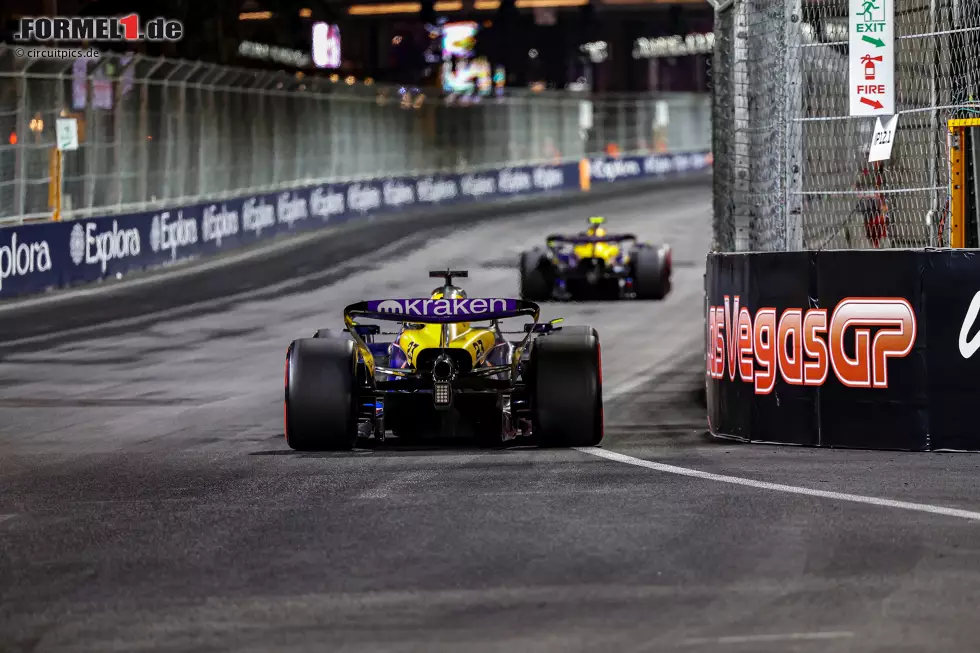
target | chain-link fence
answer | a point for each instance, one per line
(791, 166)
(157, 132)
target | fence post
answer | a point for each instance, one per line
(92, 138)
(118, 115)
(20, 164)
(742, 211)
(793, 112)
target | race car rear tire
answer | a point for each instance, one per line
(575, 330)
(320, 412)
(651, 273)
(566, 388)
(534, 284)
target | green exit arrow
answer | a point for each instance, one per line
(878, 43)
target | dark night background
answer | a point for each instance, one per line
(390, 47)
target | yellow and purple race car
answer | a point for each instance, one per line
(595, 265)
(449, 370)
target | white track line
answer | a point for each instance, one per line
(787, 637)
(403, 480)
(778, 487)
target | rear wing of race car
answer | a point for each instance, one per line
(556, 239)
(437, 311)
(441, 311)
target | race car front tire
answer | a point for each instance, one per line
(320, 412)
(566, 388)
(534, 284)
(651, 273)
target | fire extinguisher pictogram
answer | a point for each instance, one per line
(869, 66)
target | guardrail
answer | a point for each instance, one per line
(154, 132)
(844, 348)
(38, 257)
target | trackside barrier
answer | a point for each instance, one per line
(38, 257)
(844, 348)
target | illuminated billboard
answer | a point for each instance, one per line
(459, 40)
(326, 45)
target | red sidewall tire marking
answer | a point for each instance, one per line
(285, 401)
(602, 412)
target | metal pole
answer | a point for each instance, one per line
(143, 191)
(202, 131)
(93, 131)
(934, 114)
(117, 134)
(298, 120)
(742, 213)
(622, 147)
(61, 185)
(20, 196)
(793, 160)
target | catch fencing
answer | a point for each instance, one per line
(791, 166)
(159, 132)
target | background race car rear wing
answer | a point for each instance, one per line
(555, 239)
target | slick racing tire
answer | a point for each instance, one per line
(320, 412)
(651, 272)
(534, 284)
(566, 388)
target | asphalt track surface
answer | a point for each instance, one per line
(149, 501)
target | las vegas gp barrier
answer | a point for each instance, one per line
(34, 258)
(865, 349)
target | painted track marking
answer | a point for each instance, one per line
(406, 479)
(756, 639)
(778, 487)
(387, 488)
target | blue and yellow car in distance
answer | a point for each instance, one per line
(595, 265)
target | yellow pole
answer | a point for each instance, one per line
(59, 169)
(54, 182)
(957, 228)
(957, 179)
(584, 176)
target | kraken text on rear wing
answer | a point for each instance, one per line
(439, 311)
(442, 311)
